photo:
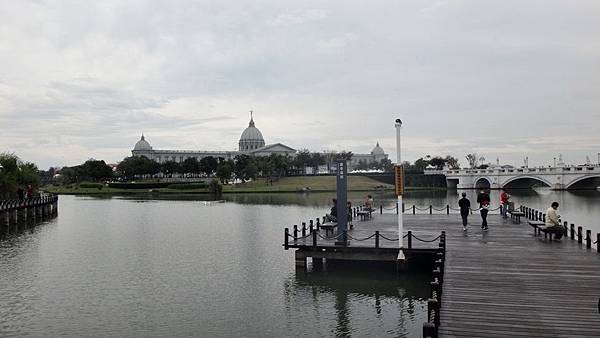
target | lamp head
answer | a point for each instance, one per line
(398, 122)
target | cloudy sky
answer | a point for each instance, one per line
(507, 79)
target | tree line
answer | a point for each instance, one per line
(16, 173)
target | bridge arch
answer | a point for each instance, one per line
(580, 183)
(482, 182)
(527, 180)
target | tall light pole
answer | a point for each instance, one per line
(399, 191)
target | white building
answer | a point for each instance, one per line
(251, 143)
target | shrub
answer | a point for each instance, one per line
(90, 185)
(187, 186)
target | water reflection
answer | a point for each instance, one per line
(357, 302)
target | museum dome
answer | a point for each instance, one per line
(251, 137)
(377, 150)
(142, 144)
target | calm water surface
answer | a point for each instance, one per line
(182, 267)
(129, 267)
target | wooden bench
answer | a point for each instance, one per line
(515, 215)
(365, 214)
(539, 227)
(328, 226)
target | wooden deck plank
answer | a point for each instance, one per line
(505, 282)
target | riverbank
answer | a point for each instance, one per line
(281, 185)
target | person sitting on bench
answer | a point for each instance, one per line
(369, 203)
(332, 215)
(553, 221)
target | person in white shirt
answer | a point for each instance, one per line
(553, 221)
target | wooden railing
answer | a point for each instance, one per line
(434, 303)
(569, 232)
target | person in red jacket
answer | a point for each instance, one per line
(504, 203)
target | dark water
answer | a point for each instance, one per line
(184, 267)
(131, 267)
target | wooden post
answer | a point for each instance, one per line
(579, 234)
(303, 229)
(408, 238)
(311, 225)
(447, 209)
(381, 209)
(286, 238)
(588, 239)
(318, 224)
(414, 209)
(598, 245)
(295, 232)
(428, 330)
(399, 209)
(377, 240)
(566, 227)
(431, 209)
(572, 231)
(402, 208)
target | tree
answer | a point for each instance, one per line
(15, 173)
(96, 170)
(138, 165)
(316, 160)
(170, 167)
(472, 159)
(452, 162)
(224, 171)
(239, 168)
(208, 165)
(302, 160)
(437, 162)
(190, 166)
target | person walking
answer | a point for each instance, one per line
(504, 203)
(484, 204)
(465, 208)
(553, 222)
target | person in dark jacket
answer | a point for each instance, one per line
(484, 204)
(332, 215)
(465, 209)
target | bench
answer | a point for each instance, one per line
(364, 214)
(539, 227)
(328, 226)
(515, 215)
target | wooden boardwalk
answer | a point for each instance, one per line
(506, 282)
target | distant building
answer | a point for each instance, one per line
(251, 143)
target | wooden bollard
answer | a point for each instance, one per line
(311, 225)
(588, 239)
(414, 209)
(429, 330)
(381, 209)
(295, 232)
(318, 224)
(409, 239)
(579, 235)
(286, 238)
(433, 306)
(377, 240)
(572, 231)
(431, 209)
(397, 207)
(303, 229)
(447, 209)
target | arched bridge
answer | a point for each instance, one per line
(558, 178)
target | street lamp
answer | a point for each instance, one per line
(399, 160)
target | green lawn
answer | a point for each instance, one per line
(284, 184)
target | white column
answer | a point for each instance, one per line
(399, 160)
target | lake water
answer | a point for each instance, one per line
(182, 267)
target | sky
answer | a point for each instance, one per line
(504, 79)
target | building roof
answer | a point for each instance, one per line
(251, 133)
(142, 144)
(377, 150)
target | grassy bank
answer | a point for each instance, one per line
(284, 184)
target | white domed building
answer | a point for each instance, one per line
(251, 142)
